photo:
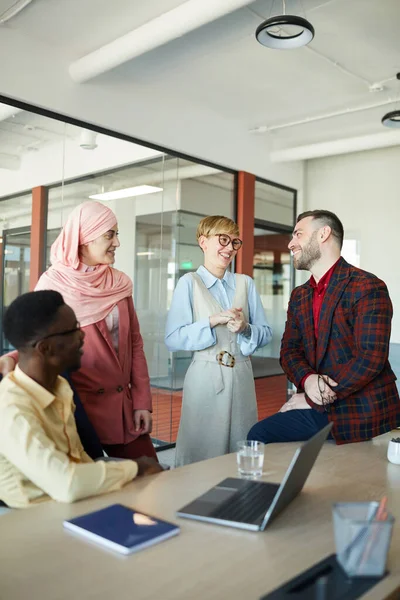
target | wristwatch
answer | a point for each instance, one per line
(247, 331)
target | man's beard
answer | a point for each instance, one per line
(309, 255)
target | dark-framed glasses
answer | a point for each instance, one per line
(225, 240)
(59, 333)
(324, 391)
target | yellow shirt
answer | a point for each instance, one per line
(41, 454)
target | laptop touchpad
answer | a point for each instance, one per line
(218, 495)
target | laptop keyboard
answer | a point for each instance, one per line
(250, 502)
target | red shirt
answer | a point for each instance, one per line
(318, 298)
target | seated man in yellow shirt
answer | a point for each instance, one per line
(41, 455)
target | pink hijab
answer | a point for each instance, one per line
(92, 294)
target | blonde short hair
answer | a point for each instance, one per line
(216, 224)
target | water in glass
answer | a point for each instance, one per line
(250, 458)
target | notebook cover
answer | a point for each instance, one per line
(122, 529)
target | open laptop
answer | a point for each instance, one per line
(254, 504)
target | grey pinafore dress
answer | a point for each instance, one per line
(219, 402)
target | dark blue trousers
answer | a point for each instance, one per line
(290, 426)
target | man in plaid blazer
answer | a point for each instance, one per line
(335, 345)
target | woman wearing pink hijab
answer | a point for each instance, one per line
(113, 382)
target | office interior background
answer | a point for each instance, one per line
(215, 123)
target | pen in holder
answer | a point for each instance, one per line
(362, 535)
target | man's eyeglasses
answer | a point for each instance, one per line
(68, 332)
(225, 240)
(324, 390)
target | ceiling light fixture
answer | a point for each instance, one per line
(139, 190)
(285, 32)
(392, 119)
(87, 140)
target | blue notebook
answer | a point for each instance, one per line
(122, 529)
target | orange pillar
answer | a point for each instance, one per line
(245, 219)
(38, 234)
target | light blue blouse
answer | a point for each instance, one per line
(182, 334)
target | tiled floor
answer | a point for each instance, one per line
(270, 392)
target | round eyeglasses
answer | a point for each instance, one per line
(225, 240)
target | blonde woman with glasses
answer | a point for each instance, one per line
(218, 316)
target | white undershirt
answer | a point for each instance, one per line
(112, 319)
(112, 322)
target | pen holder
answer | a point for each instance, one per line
(393, 452)
(362, 543)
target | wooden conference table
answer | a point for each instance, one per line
(39, 559)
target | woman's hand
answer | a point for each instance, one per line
(7, 364)
(238, 324)
(143, 420)
(224, 317)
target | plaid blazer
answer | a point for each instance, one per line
(352, 348)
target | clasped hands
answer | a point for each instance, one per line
(233, 318)
(318, 388)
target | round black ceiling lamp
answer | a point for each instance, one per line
(285, 32)
(392, 119)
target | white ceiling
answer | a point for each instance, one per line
(222, 67)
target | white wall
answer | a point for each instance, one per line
(152, 112)
(273, 204)
(363, 190)
(207, 199)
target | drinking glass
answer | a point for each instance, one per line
(250, 458)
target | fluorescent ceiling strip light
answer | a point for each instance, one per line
(139, 190)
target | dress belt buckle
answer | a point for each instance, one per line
(226, 359)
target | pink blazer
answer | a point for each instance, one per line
(110, 385)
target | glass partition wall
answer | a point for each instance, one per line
(158, 199)
(15, 214)
(275, 209)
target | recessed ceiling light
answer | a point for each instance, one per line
(139, 190)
